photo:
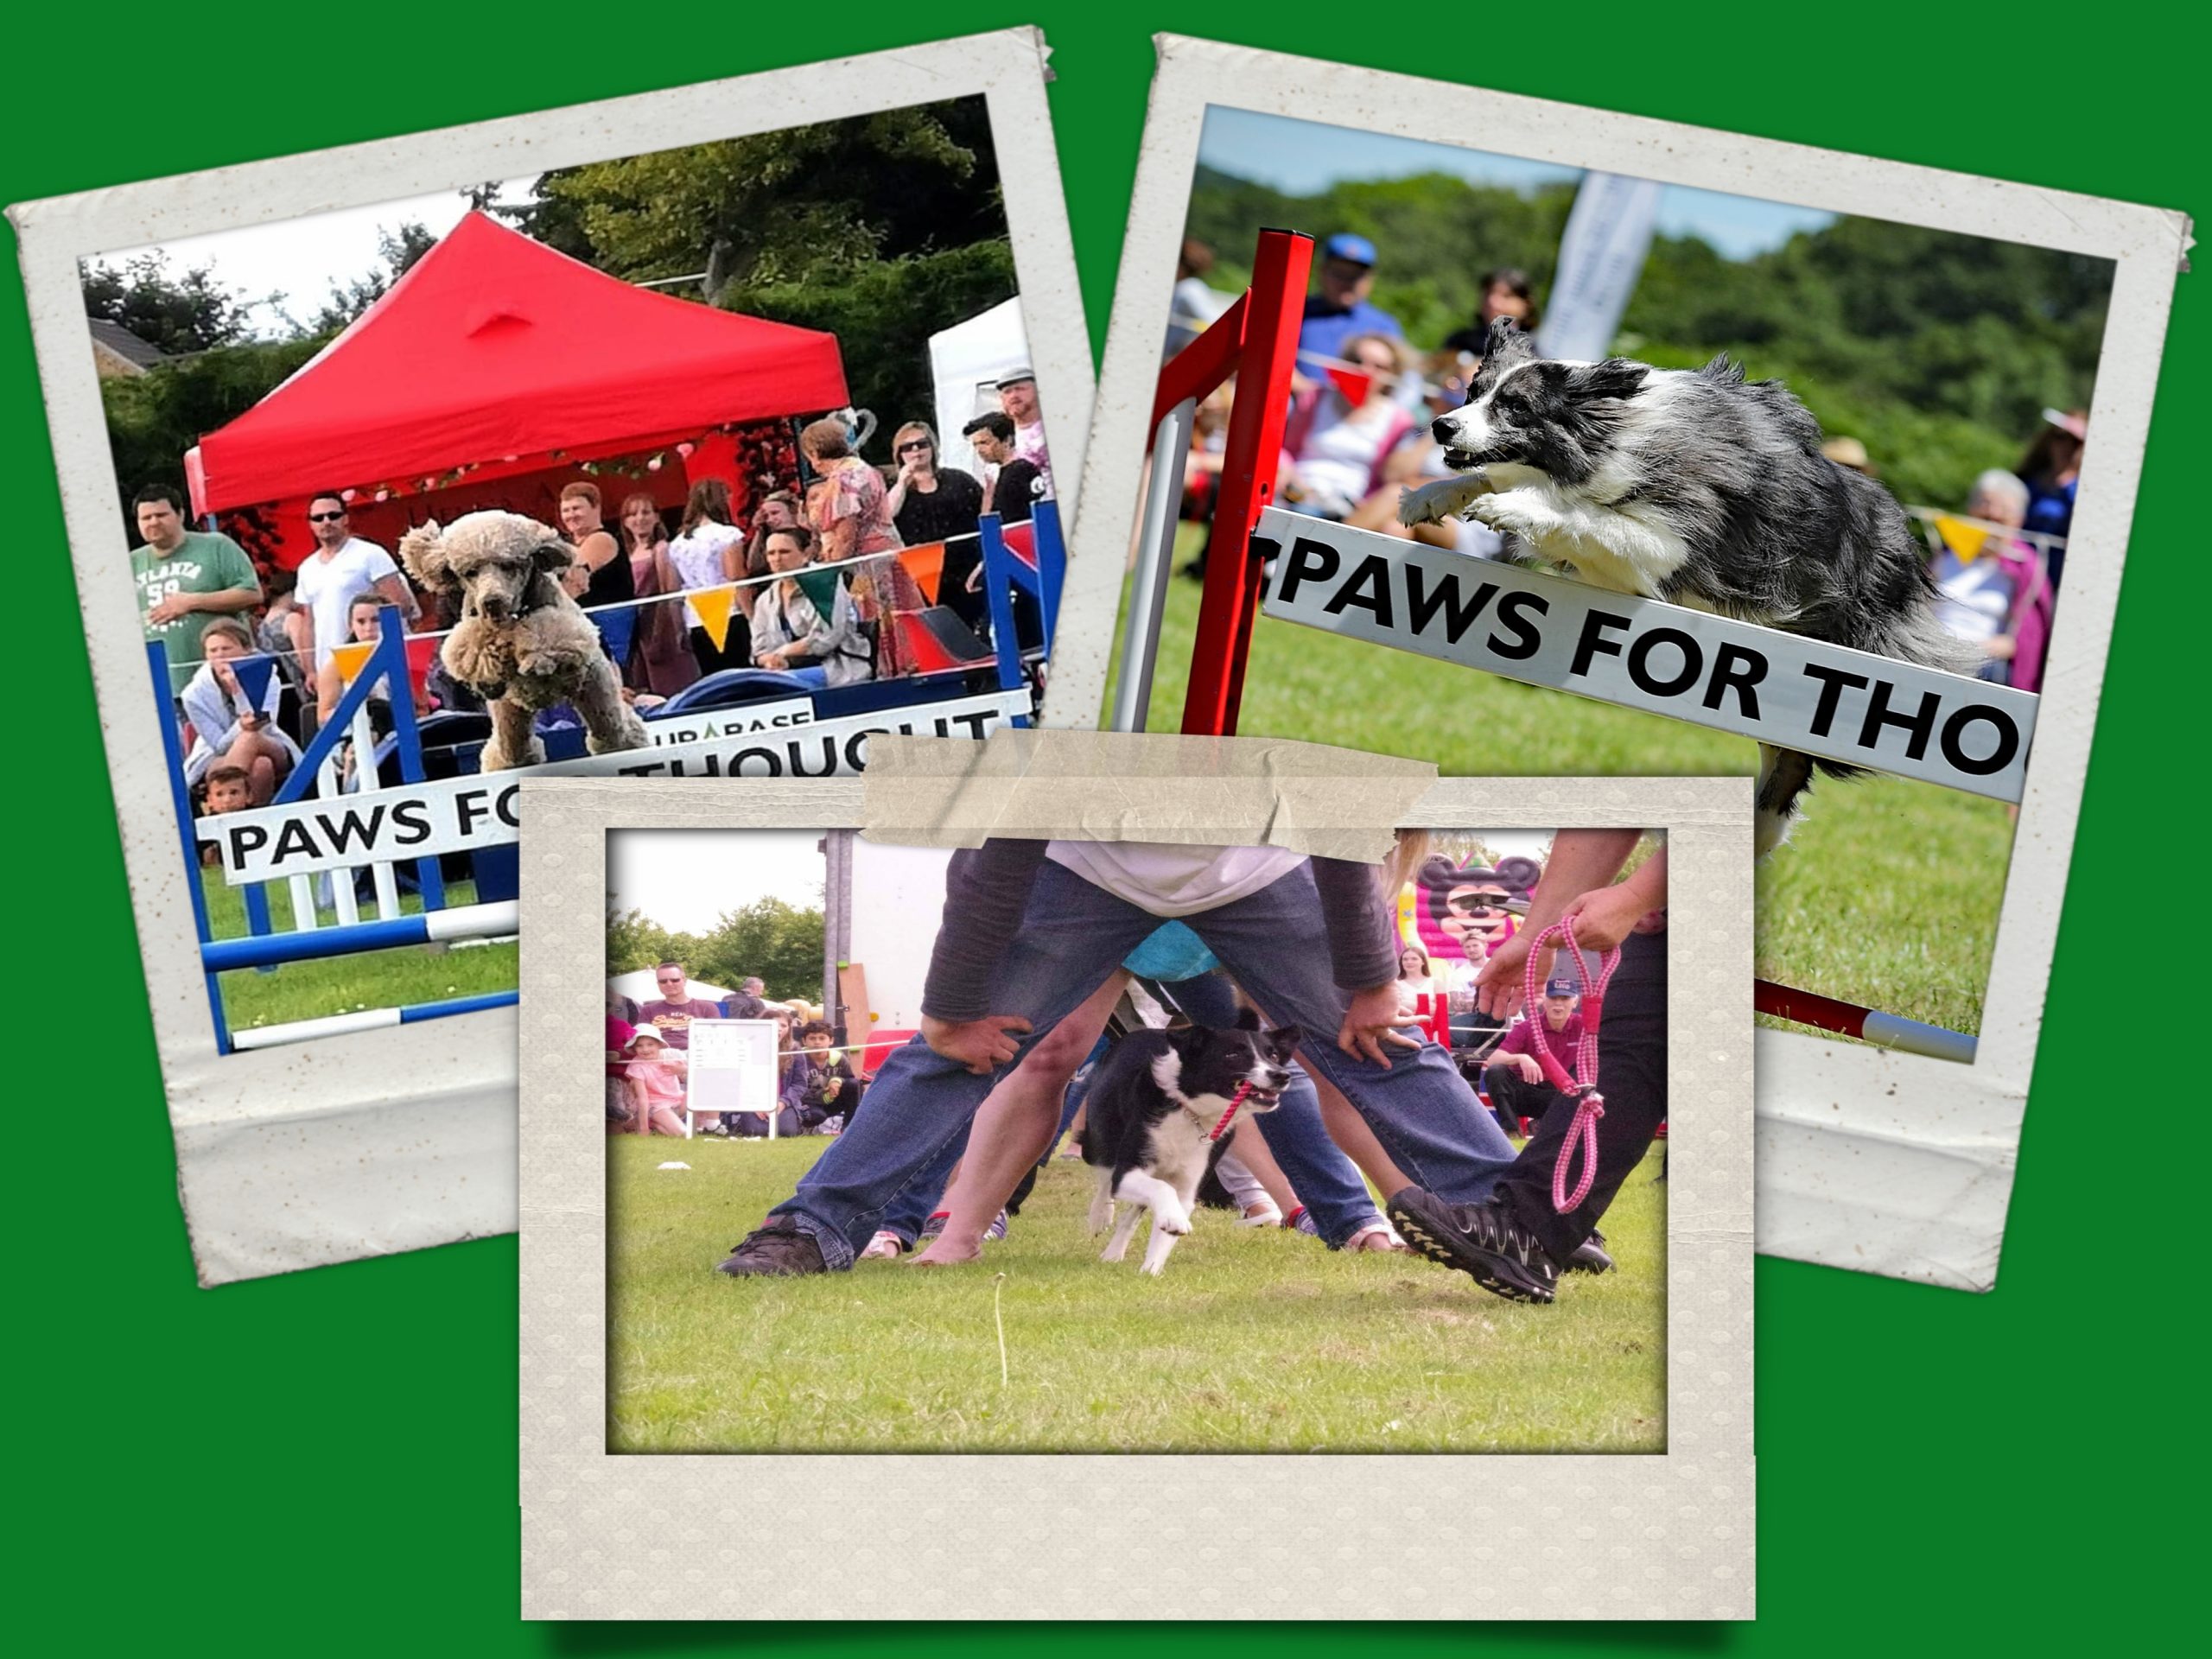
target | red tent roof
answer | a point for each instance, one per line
(495, 346)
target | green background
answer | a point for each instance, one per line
(327, 1462)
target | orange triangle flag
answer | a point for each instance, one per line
(714, 605)
(1963, 539)
(1353, 383)
(352, 658)
(925, 565)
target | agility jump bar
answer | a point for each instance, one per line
(1868, 1025)
(431, 927)
(338, 1025)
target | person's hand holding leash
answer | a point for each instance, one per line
(983, 1045)
(1372, 1021)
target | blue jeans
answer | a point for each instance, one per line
(1071, 937)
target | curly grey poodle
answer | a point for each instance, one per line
(522, 643)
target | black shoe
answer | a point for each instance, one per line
(1482, 1240)
(1589, 1256)
(778, 1250)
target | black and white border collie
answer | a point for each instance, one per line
(1154, 1101)
(1693, 487)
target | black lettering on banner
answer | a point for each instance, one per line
(1955, 730)
(797, 750)
(774, 768)
(978, 723)
(1422, 602)
(1833, 680)
(349, 829)
(1919, 727)
(855, 749)
(1594, 643)
(246, 840)
(1309, 561)
(469, 808)
(1373, 573)
(294, 839)
(1738, 668)
(411, 822)
(508, 805)
(1526, 641)
(1639, 663)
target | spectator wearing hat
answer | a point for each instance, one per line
(2052, 469)
(1018, 400)
(1338, 308)
(1513, 1080)
(1851, 454)
(655, 1073)
(1997, 599)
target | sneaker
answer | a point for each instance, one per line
(1589, 1256)
(885, 1246)
(1482, 1240)
(997, 1229)
(934, 1224)
(776, 1251)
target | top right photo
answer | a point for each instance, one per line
(1525, 467)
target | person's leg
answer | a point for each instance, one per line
(1421, 1109)
(1248, 1152)
(1349, 1130)
(1631, 1077)
(1072, 936)
(1015, 1126)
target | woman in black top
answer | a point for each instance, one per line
(933, 504)
(600, 575)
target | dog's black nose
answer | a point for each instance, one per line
(1441, 429)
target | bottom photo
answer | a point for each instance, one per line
(1101, 1146)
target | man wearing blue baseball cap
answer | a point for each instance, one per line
(1513, 1080)
(1339, 309)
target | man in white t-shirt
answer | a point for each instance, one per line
(1018, 398)
(341, 567)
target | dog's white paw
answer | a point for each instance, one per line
(1172, 1221)
(1507, 516)
(1115, 1251)
(1417, 506)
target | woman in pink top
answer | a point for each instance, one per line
(656, 1073)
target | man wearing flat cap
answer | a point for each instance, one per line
(1018, 398)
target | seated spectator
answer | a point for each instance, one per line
(621, 1026)
(748, 1001)
(599, 575)
(228, 731)
(1446, 378)
(272, 637)
(364, 625)
(1507, 292)
(1514, 1080)
(655, 1072)
(828, 1087)
(2052, 471)
(1338, 311)
(1195, 305)
(709, 551)
(672, 1013)
(1414, 979)
(1847, 452)
(931, 503)
(1997, 599)
(660, 649)
(1339, 451)
(790, 633)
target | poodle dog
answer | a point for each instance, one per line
(522, 643)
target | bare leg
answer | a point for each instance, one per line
(1014, 1129)
(1350, 1131)
(1251, 1149)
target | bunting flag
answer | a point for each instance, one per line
(1352, 384)
(820, 588)
(422, 652)
(925, 565)
(1963, 539)
(353, 657)
(712, 605)
(1021, 540)
(253, 674)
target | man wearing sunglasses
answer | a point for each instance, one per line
(671, 1013)
(341, 569)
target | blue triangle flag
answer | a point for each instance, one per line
(253, 674)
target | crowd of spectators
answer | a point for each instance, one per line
(1357, 432)
(201, 596)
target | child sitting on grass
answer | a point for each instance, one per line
(656, 1073)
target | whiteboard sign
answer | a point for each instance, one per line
(1711, 670)
(734, 1067)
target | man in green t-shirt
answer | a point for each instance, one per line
(186, 578)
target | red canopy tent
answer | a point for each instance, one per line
(494, 348)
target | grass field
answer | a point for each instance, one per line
(1886, 896)
(1252, 1340)
(374, 979)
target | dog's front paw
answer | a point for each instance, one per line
(1172, 1221)
(1418, 507)
(1508, 515)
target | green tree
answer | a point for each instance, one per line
(398, 250)
(177, 315)
(777, 941)
(634, 940)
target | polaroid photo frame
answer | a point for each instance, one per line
(611, 1536)
(376, 1141)
(1872, 1159)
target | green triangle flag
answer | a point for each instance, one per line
(820, 588)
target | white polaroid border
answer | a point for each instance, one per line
(1871, 1159)
(1664, 1536)
(402, 1138)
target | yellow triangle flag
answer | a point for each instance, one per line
(712, 605)
(352, 658)
(1963, 539)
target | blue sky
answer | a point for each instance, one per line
(1304, 157)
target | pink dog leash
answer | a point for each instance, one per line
(1589, 1104)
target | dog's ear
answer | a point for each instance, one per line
(1284, 1040)
(422, 551)
(1507, 342)
(1617, 377)
(1248, 1019)
(553, 558)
